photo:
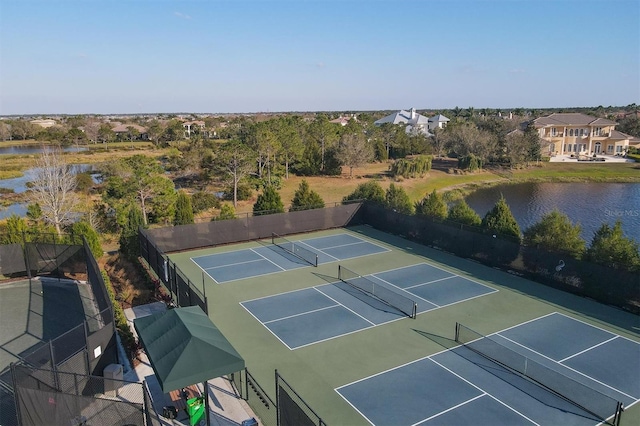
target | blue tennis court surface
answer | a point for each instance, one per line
(304, 317)
(268, 259)
(461, 387)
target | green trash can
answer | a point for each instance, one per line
(195, 410)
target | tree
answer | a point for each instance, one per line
(142, 179)
(290, 140)
(354, 151)
(236, 160)
(500, 220)
(84, 229)
(155, 130)
(611, 248)
(227, 212)
(14, 230)
(324, 134)
(432, 206)
(106, 134)
(129, 242)
(462, 213)
(555, 232)
(184, 211)
(438, 141)
(370, 190)
(53, 189)
(398, 200)
(132, 133)
(269, 202)
(306, 199)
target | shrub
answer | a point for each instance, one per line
(202, 200)
(127, 337)
(370, 190)
(411, 167)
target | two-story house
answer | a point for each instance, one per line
(580, 135)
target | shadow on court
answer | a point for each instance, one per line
(508, 377)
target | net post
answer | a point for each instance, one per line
(339, 272)
(618, 415)
(415, 311)
(457, 334)
(316, 265)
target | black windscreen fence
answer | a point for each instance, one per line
(188, 237)
(12, 261)
(85, 399)
(612, 286)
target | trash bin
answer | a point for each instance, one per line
(250, 422)
(195, 410)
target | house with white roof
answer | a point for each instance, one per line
(579, 134)
(414, 123)
(438, 121)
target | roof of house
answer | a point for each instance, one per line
(403, 117)
(439, 119)
(572, 119)
(123, 128)
(616, 134)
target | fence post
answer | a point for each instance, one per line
(277, 400)
(54, 368)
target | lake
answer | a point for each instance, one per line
(34, 149)
(590, 204)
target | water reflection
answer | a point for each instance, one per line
(590, 204)
(35, 149)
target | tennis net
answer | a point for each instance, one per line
(396, 300)
(585, 397)
(295, 249)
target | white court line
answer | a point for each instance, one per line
(455, 407)
(317, 249)
(428, 282)
(567, 367)
(247, 278)
(399, 288)
(231, 264)
(268, 260)
(268, 329)
(346, 307)
(480, 389)
(587, 350)
(301, 314)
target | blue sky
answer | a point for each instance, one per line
(136, 56)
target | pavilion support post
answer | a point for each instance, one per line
(206, 402)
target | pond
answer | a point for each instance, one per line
(34, 149)
(590, 204)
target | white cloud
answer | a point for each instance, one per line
(181, 15)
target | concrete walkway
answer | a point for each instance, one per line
(225, 407)
(600, 157)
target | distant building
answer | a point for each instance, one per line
(343, 120)
(46, 123)
(414, 123)
(438, 121)
(580, 134)
(191, 126)
(122, 131)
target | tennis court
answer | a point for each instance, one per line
(283, 255)
(34, 312)
(307, 316)
(343, 336)
(568, 372)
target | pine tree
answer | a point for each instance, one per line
(611, 248)
(555, 232)
(397, 199)
(93, 239)
(269, 202)
(462, 213)
(129, 244)
(227, 212)
(432, 206)
(370, 190)
(306, 199)
(184, 211)
(500, 220)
